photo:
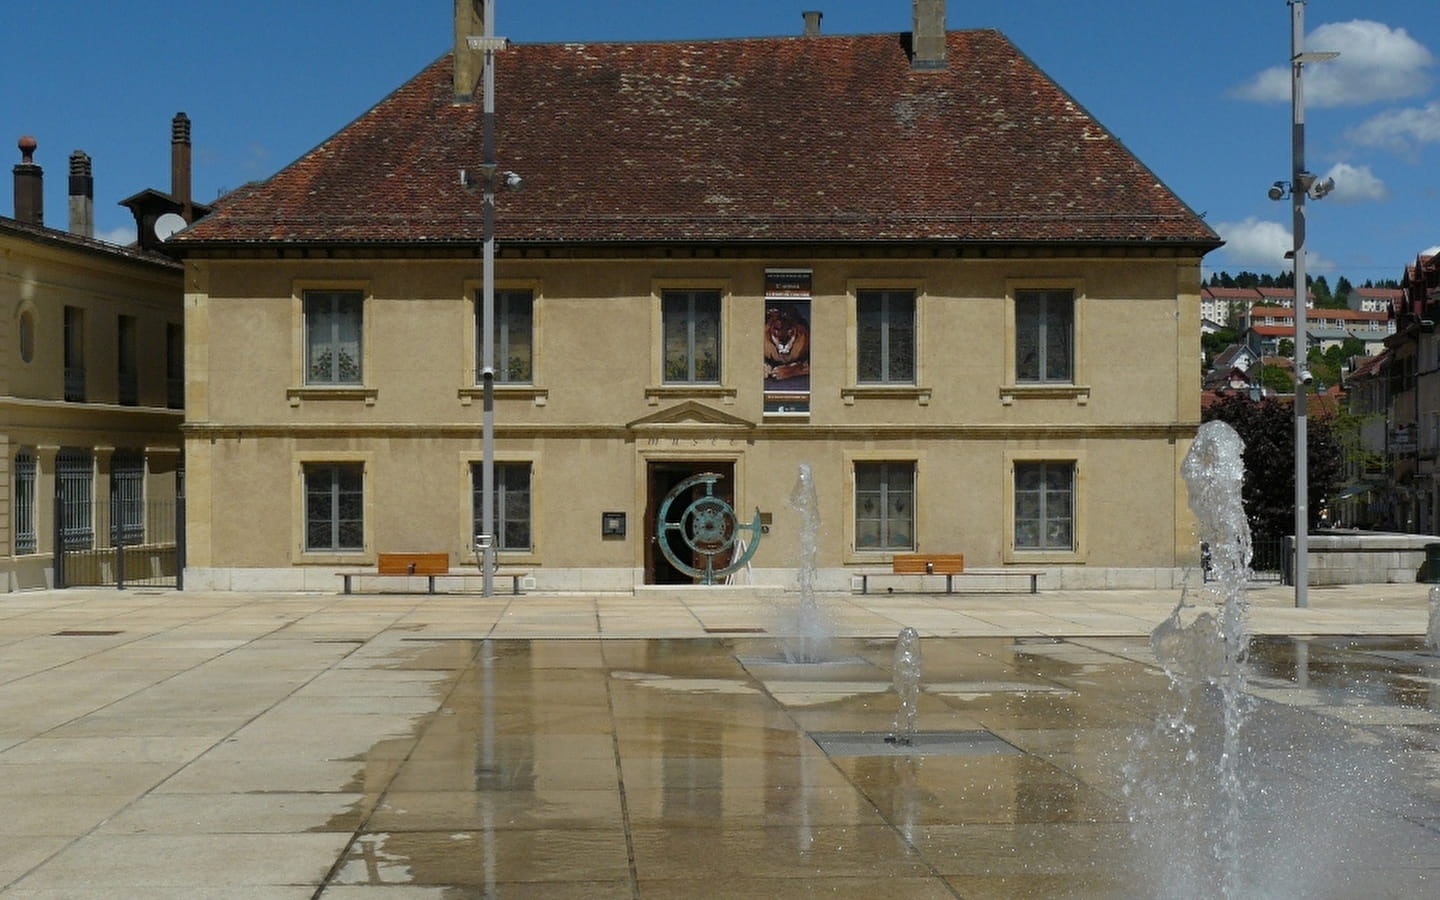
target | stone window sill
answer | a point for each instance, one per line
(1080, 393)
(920, 395)
(655, 393)
(314, 393)
(537, 395)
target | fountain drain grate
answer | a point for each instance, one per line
(922, 743)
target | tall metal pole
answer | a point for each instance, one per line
(487, 315)
(1297, 194)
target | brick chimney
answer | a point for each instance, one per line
(180, 165)
(927, 37)
(82, 195)
(469, 64)
(812, 22)
(29, 185)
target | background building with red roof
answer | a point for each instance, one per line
(997, 305)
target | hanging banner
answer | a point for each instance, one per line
(787, 341)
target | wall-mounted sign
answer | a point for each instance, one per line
(787, 341)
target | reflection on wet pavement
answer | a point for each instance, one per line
(657, 768)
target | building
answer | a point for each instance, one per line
(91, 382)
(1225, 306)
(991, 355)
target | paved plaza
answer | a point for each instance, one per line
(164, 744)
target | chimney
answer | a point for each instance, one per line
(927, 37)
(180, 164)
(812, 22)
(469, 64)
(29, 185)
(82, 195)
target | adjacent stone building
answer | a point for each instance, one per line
(91, 390)
(994, 308)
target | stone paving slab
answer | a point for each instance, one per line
(177, 744)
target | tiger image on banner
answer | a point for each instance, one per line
(787, 343)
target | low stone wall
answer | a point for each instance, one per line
(1364, 557)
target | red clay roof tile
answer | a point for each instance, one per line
(806, 139)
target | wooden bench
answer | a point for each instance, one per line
(951, 565)
(430, 565)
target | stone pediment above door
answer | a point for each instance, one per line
(691, 419)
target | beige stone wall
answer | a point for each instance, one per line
(38, 279)
(416, 424)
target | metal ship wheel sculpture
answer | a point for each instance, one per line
(709, 527)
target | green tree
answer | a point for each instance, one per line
(1321, 289)
(1343, 289)
(1215, 344)
(1268, 491)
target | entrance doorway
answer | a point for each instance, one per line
(662, 476)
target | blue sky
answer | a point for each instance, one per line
(1199, 91)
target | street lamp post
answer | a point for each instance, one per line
(485, 541)
(1302, 183)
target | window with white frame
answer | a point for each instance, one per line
(885, 505)
(334, 506)
(691, 324)
(885, 336)
(512, 504)
(333, 328)
(1044, 336)
(514, 328)
(1045, 505)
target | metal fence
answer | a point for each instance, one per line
(141, 544)
(1270, 561)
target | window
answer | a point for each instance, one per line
(174, 366)
(334, 506)
(127, 498)
(884, 506)
(885, 352)
(24, 502)
(74, 354)
(512, 504)
(332, 337)
(1044, 506)
(1044, 332)
(514, 342)
(128, 372)
(692, 336)
(74, 470)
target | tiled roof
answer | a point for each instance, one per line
(56, 237)
(1315, 313)
(803, 139)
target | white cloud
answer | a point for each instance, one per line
(1400, 129)
(123, 235)
(1356, 184)
(1376, 62)
(1255, 242)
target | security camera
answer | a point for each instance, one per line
(513, 181)
(1306, 377)
(1277, 191)
(1319, 189)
